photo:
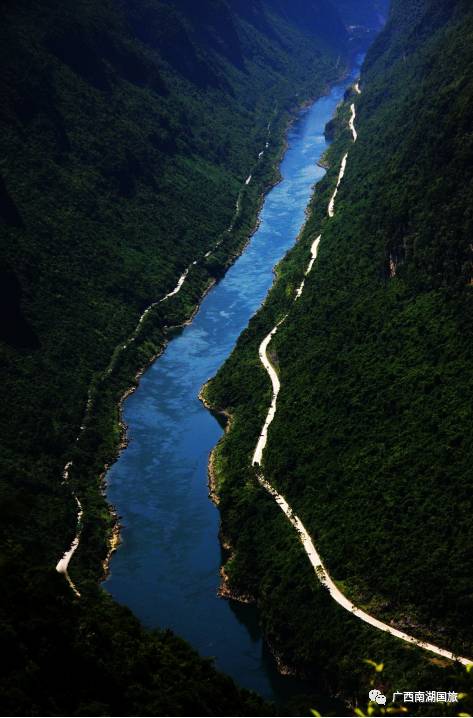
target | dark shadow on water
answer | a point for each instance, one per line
(293, 695)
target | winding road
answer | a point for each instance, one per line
(341, 174)
(352, 122)
(304, 537)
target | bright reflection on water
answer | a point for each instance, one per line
(167, 568)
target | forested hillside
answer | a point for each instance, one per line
(371, 443)
(129, 129)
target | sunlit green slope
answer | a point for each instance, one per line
(371, 444)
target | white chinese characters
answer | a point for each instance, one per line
(425, 696)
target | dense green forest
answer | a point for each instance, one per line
(128, 130)
(371, 444)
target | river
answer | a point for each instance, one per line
(167, 567)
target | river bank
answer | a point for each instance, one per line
(114, 536)
(168, 521)
(145, 332)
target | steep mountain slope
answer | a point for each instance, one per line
(128, 131)
(371, 441)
